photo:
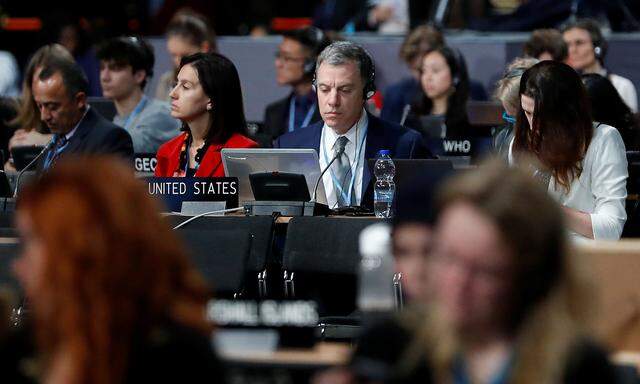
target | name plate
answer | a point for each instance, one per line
(145, 162)
(459, 146)
(176, 190)
(294, 320)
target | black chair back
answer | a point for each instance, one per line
(221, 257)
(321, 260)
(8, 253)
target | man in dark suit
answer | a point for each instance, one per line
(345, 78)
(295, 65)
(60, 92)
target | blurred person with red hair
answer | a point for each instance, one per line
(112, 294)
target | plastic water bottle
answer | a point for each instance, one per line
(384, 187)
(375, 278)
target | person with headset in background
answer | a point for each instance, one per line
(295, 64)
(126, 64)
(344, 80)
(587, 50)
(440, 110)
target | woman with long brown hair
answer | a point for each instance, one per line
(583, 165)
(112, 294)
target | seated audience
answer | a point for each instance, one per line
(295, 65)
(31, 130)
(506, 305)
(208, 101)
(345, 78)
(403, 93)
(443, 100)
(546, 44)
(111, 293)
(508, 92)
(608, 108)
(422, 39)
(187, 33)
(60, 93)
(582, 164)
(587, 51)
(126, 65)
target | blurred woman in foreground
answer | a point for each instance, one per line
(505, 304)
(113, 296)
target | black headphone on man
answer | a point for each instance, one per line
(368, 67)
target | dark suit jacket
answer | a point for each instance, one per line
(276, 117)
(402, 142)
(97, 135)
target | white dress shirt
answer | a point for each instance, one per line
(627, 91)
(601, 189)
(355, 134)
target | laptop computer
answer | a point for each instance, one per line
(242, 162)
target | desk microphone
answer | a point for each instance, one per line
(405, 113)
(339, 152)
(26, 168)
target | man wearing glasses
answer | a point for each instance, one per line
(295, 65)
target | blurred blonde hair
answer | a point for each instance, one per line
(508, 88)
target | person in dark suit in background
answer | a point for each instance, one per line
(60, 93)
(295, 65)
(345, 79)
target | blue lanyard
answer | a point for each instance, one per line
(292, 114)
(52, 155)
(136, 111)
(354, 172)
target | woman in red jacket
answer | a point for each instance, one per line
(208, 100)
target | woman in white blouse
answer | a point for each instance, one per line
(587, 50)
(583, 164)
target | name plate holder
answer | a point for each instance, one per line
(194, 195)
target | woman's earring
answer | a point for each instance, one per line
(209, 106)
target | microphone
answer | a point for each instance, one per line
(31, 163)
(339, 152)
(405, 113)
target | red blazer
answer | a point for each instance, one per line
(211, 165)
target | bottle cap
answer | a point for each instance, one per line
(383, 152)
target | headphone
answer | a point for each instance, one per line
(367, 66)
(457, 57)
(315, 39)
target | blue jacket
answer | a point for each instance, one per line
(402, 142)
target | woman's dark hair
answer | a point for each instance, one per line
(456, 119)
(562, 126)
(546, 40)
(607, 107)
(192, 27)
(220, 81)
